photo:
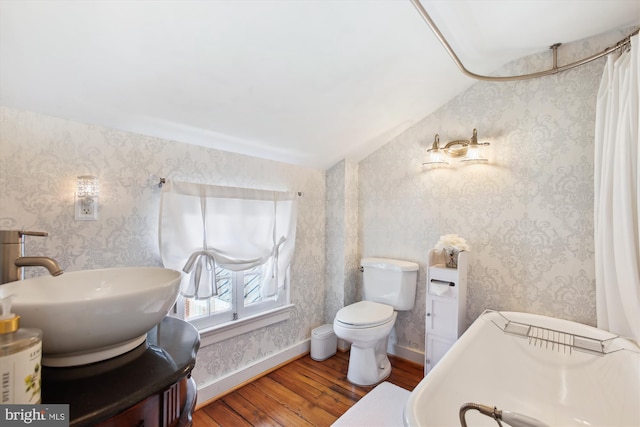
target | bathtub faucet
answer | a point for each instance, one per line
(514, 419)
(13, 261)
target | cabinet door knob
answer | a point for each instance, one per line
(428, 314)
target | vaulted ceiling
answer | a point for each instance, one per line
(307, 82)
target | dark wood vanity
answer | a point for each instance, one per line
(149, 386)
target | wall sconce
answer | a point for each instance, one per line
(462, 150)
(87, 192)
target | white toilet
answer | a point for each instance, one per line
(388, 285)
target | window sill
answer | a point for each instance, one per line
(212, 335)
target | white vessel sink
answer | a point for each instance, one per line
(92, 315)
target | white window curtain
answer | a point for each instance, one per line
(204, 226)
(617, 195)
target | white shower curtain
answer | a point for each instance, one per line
(617, 195)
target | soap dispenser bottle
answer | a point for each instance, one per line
(20, 358)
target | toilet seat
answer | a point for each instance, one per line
(365, 314)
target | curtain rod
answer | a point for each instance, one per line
(621, 44)
(164, 181)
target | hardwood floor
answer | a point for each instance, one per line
(301, 393)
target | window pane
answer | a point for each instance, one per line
(225, 290)
(218, 304)
(252, 280)
(194, 308)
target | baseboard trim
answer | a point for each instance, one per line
(407, 353)
(230, 382)
(235, 380)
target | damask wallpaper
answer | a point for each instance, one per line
(342, 252)
(41, 157)
(528, 215)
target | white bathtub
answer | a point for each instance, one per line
(555, 384)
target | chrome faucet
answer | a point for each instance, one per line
(13, 261)
(514, 419)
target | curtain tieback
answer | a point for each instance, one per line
(201, 260)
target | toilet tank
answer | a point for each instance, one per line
(390, 281)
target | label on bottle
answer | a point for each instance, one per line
(20, 376)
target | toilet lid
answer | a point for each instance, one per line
(365, 313)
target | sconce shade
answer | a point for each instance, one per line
(88, 186)
(477, 152)
(435, 155)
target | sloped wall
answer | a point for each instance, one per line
(528, 216)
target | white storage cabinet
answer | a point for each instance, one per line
(446, 306)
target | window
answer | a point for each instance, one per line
(235, 246)
(239, 297)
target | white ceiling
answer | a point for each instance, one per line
(307, 82)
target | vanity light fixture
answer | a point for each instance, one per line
(462, 150)
(88, 189)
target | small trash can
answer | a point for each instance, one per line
(323, 342)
